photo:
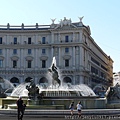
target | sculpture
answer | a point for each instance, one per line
(81, 18)
(55, 75)
(33, 90)
(53, 20)
(65, 22)
(113, 93)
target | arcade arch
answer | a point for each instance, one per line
(14, 80)
(67, 80)
(28, 79)
(43, 80)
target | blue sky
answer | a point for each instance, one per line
(102, 16)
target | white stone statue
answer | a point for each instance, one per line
(81, 18)
(61, 23)
(53, 20)
(65, 22)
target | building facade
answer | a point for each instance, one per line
(26, 52)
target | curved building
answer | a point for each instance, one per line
(26, 52)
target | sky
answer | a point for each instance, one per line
(103, 17)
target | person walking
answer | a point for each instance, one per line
(79, 108)
(71, 107)
(20, 108)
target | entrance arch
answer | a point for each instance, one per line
(67, 80)
(28, 79)
(43, 80)
(14, 80)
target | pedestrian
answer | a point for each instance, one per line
(20, 108)
(71, 107)
(79, 108)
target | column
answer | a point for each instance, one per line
(81, 57)
(59, 38)
(52, 50)
(73, 39)
(36, 80)
(36, 39)
(81, 80)
(35, 57)
(80, 36)
(77, 57)
(74, 57)
(7, 57)
(7, 53)
(21, 58)
(59, 57)
(73, 82)
(52, 38)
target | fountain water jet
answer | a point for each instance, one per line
(5, 87)
(20, 90)
(57, 88)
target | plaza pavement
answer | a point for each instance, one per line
(61, 113)
(87, 114)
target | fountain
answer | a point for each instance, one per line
(57, 94)
(6, 87)
(57, 88)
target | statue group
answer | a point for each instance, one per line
(55, 76)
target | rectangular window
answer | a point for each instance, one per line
(14, 51)
(29, 51)
(15, 40)
(29, 40)
(29, 63)
(43, 40)
(66, 63)
(43, 51)
(0, 40)
(1, 63)
(14, 63)
(0, 51)
(66, 38)
(43, 63)
(66, 50)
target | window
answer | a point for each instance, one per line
(66, 63)
(94, 70)
(29, 63)
(0, 40)
(95, 61)
(43, 40)
(43, 63)
(29, 40)
(66, 50)
(15, 40)
(0, 51)
(43, 51)
(14, 51)
(29, 51)
(1, 63)
(66, 38)
(14, 63)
